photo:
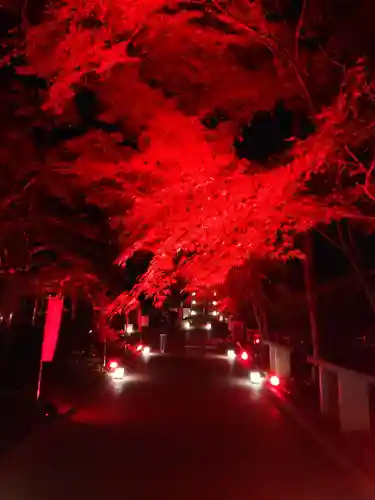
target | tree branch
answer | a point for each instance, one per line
(366, 187)
(299, 28)
(273, 45)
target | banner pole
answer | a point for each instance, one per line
(40, 374)
(105, 352)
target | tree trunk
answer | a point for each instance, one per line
(73, 309)
(310, 295)
(257, 317)
(261, 319)
(350, 250)
(126, 322)
(35, 310)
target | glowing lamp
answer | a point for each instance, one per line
(231, 355)
(274, 381)
(119, 372)
(256, 378)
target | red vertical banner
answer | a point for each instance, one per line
(52, 327)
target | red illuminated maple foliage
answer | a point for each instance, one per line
(182, 79)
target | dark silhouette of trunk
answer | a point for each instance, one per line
(310, 295)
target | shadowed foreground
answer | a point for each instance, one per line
(181, 428)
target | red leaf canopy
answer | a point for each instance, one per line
(158, 70)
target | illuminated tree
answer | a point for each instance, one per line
(167, 94)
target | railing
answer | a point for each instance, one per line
(344, 393)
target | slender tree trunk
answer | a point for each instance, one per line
(263, 310)
(310, 296)
(126, 322)
(73, 309)
(351, 252)
(261, 319)
(35, 310)
(257, 317)
(264, 319)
